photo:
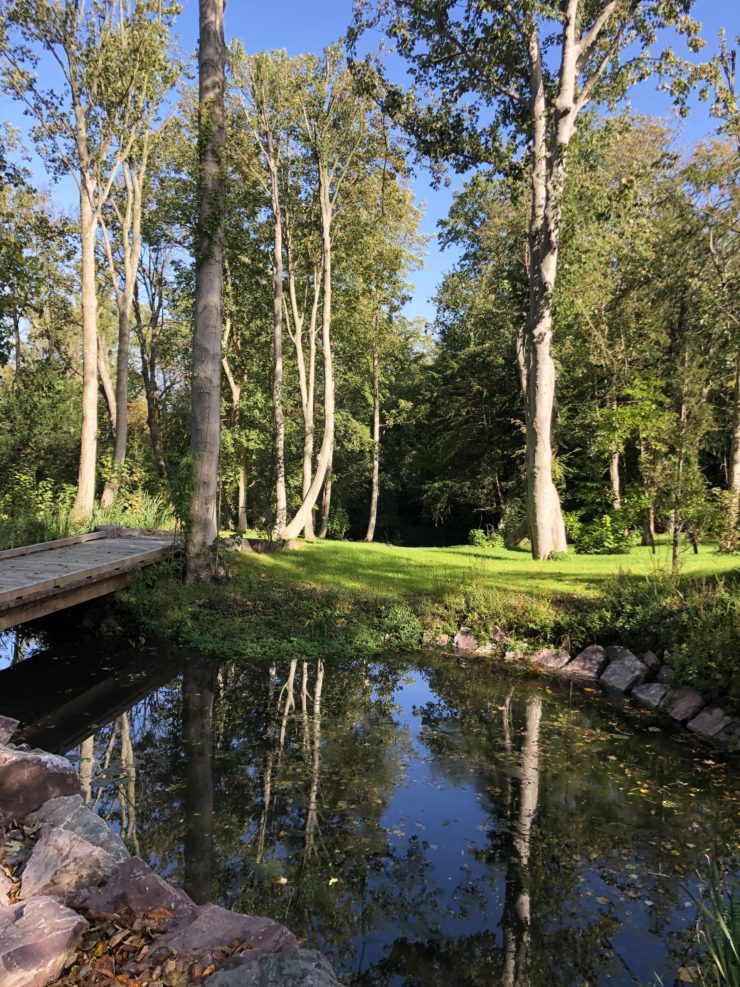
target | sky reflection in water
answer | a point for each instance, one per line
(423, 823)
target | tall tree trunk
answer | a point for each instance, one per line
(198, 690)
(326, 502)
(614, 479)
(730, 536)
(278, 414)
(547, 530)
(110, 490)
(106, 384)
(323, 460)
(206, 377)
(242, 490)
(375, 477)
(85, 497)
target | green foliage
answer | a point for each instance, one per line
(603, 536)
(338, 523)
(718, 963)
(479, 538)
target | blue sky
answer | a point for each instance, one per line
(299, 26)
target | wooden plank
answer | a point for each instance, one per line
(46, 604)
(87, 574)
(43, 546)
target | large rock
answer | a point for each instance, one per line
(63, 863)
(30, 778)
(215, 928)
(551, 658)
(69, 812)
(465, 640)
(133, 884)
(589, 664)
(8, 726)
(37, 941)
(665, 675)
(304, 968)
(624, 672)
(730, 735)
(652, 694)
(652, 662)
(683, 704)
(710, 722)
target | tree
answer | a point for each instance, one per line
(209, 284)
(86, 126)
(519, 108)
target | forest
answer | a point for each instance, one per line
(579, 385)
(349, 636)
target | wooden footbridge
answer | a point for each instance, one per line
(37, 580)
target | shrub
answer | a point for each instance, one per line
(479, 538)
(604, 536)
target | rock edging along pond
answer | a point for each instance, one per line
(619, 671)
(76, 908)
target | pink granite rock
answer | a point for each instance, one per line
(465, 640)
(683, 704)
(37, 941)
(62, 863)
(215, 928)
(30, 778)
(551, 658)
(133, 884)
(589, 664)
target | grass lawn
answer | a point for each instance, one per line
(389, 570)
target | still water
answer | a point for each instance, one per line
(421, 820)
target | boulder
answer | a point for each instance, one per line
(652, 694)
(62, 863)
(711, 721)
(215, 928)
(651, 661)
(665, 674)
(69, 812)
(624, 672)
(729, 735)
(499, 635)
(304, 968)
(589, 664)
(30, 778)
(487, 648)
(615, 651)
(37, 941)
(465, 640)
(8, 726)
(133, 884)
(683, 704)
(551, 658)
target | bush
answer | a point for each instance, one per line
(604, 536)
(479, 538)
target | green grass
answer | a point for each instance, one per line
(335, 599)
(389, 570)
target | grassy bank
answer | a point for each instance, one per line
(331, 598)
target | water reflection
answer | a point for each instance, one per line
(423, 824)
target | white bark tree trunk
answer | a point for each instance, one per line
(206, 376)
(375, 477)
(278, 414)
(731, 537)
(85, 497)
(326, 450)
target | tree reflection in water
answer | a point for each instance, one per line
(423, 825)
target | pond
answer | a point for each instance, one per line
(421, 820)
